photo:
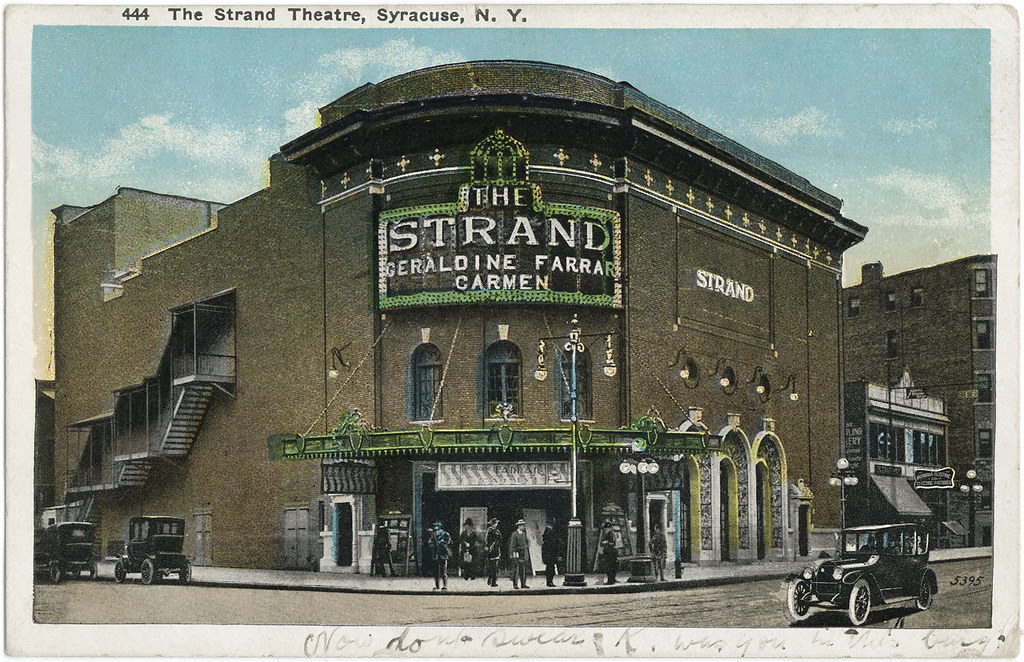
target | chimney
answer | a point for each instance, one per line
(870, 272)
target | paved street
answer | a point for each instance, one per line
(747, 604)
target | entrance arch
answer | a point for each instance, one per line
(769, 458)
(728, 510)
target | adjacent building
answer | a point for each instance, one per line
(939, 325)
(490, 289)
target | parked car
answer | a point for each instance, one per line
(65, 549)
(876, 565)
(153, 549)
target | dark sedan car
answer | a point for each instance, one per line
(153, 550)
(65, 549)
(876, 565)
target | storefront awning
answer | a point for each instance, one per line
(348, 478)
(955, 527)
(901, 495)
(353, 441)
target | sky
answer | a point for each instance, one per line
(895, 122)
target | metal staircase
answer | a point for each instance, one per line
(134, 471)
(187, 417)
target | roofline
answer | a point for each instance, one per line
(980, 257)
(88, 208)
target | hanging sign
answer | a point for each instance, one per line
(502, 475)
(500, 242)
(934, 479)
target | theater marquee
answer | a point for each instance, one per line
(501, 242)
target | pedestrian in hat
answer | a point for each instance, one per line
(549, 548)
(609, 552)
(469, 540)
(441, 549)
(492, 548)
(519, 553)
(659, 551)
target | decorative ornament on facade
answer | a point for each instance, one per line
(690, 197)
(541, 373)
(746, 220)
(763, 227)
(710, 205)
(728, 212)
(649, 178)
(778, 235)
(794, 240)
(561, 156)
(345, 180)
(436, 157)
(403, 163)
(596, 162)
(669, 187)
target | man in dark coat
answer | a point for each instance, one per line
(659, 551)
(468, 542)
(609, 551)
(440, 548)
(382, 551)
(519, 553)
(492, 549)
(549, 549)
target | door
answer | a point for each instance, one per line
(204, 539)
(657, 519)
(296, 538)
(760, 473)
(725, 511)
(343, 534)
(805, 525)
(535, 521)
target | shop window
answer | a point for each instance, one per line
(917, 297)
(426, 383)
(853, 307)
(502, 368)
(890, 301)
(882, 445)
(892, 344)
(982, 285)
(985, 442)
(984, 388)
(584, 401)
(982, 334)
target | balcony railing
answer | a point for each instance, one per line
(212, 367)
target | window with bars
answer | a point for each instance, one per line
(426, 383)
(584, 400)
(503, 364)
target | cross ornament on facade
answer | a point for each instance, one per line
(690, 197)
(404, 162)
(710, 205)
(561, 156)
(436, 157)
(746, 220)
(728, 212)
(778, 235)
(596, 162)
(345, 180)
(794, 241)
(669, 187)
(649, 178)
(816, 252)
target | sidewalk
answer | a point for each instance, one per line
(693, 576)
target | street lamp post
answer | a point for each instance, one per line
(971, 487)
(642, 568)
(842, 478)
(574, 534)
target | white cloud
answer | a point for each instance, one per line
(930, 200)
(339, 71)
(226, 160)
(906, 127)
(808, 122)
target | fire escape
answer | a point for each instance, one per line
(159, 419)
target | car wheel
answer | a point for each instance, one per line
(148, 571)
(185, 573)
(925, 597)
(860, 602)
(120, 572)
(797, 606)
(56, 574)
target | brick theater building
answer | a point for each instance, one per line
(489, 289)
(939, 324)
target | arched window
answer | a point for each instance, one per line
(426, 383)
(502, 363)
(584, 401)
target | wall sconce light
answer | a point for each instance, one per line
(337, 361)
(541, 373)
(688, 370)
(790, 385)
(728, 380)
(759, 385)
(609, 363)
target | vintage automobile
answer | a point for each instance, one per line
(153, 549)
(876, 565)
(65, 549)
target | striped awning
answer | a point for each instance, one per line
(348, 478)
